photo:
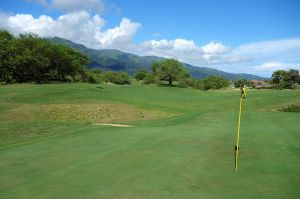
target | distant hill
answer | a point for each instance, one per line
(121, 61)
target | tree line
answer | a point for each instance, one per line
(28, 58)
(168, 72)
(281, 79)
(171, 70)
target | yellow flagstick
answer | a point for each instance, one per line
(243, 95)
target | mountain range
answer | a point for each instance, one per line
(117, 60)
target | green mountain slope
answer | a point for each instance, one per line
(121, 61)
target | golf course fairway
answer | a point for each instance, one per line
(179, 143)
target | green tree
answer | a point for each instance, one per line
(215, 82)
(88, 76)
(239, 83)
(294, 76)
(282, 79)
(140, 75)
(98, 74)
(5, 64)
(200, 85)
(169, 70)
(149, 79)
(29, 58)
(67, 62)
(187, 82)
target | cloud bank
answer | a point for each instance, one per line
(77, 26)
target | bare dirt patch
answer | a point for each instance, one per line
(116, 125)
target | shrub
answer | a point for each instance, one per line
(149, 79)
(140, 75)
(215, 82)
(117, 77)
(98, 75)
(239, 83)
(291, 108)
(200, 85)
(88, 77)
(187, 82)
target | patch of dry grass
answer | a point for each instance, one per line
(91, 112)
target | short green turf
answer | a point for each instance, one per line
(188, 154)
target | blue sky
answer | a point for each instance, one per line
(251, 36)
(234, 22)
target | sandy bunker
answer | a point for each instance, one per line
(115, 125)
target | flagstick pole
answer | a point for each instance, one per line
(238, 136)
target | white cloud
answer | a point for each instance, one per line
(72, 5)
(180, 49)
(269, 47)
(184, 45)
(188, 51)
(118, 37)
(213, 48)
(77, 26)
(271, 66)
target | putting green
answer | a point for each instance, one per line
(180, 144)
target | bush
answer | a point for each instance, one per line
(98, 75)
(149, 79)
(200, 85)
(215, 82)
(187, 82)
(88, 77)
(291, 108)
(140, 75)
(116, 77)
(239, 83)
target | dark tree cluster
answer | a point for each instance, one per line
(28, 58)
(282, 79)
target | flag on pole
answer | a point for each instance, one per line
(244, 92)
(237, 148)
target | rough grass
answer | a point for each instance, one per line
(87, 112)
(96, 112)
(291, 108)
(187, 152)
(24, 122)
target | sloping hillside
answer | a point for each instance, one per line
(117, 60)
